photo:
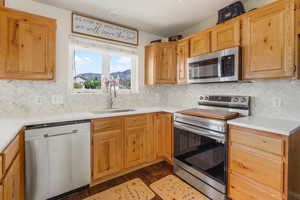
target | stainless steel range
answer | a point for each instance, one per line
(200, 142)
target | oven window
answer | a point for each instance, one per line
(204, 69)
(202, 153)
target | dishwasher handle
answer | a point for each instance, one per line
(60, 134)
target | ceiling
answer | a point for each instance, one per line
(161, 17)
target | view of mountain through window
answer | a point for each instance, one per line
(90, 67)
(87, 69)
(120, 69)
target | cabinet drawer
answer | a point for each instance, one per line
(242, 189)
(136, 121)
(10, 152)
(253, 138)
(107, 124)
(262, 167)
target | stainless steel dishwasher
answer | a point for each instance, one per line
(57, 158)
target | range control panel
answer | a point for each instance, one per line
(225, 101)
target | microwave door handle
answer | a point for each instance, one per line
(200, 131)
(220, 66)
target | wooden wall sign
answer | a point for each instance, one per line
(94, 27)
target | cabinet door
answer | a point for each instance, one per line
(268, 42)
(107, 153)
(27, 46)
(1, 192)
(2, 2)
(12, 181)
(183, 49)
(164, 135)
(134, 148)
(150, 62)
(200, 44)
(166, 67)
(226, 35)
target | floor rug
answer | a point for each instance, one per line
(172, 188)
(135, 189)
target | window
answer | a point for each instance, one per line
(94, 64)
(87, 69)
(120, 68)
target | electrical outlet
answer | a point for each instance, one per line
(57, 100)
(38, 100)
(277, 102)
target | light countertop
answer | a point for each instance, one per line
(278, 126)
(11, 126)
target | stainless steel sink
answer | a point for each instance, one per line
(113, 111)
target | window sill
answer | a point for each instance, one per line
(102, 92)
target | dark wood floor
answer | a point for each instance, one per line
(148, 175)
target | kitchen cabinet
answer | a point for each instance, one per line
(107, 147)
(12, 181)
(2, 3)
(200, 43)
(160, 63)
(12, 185)
(183, 53)
(139, 140)
(1, 191)
(268, 42)
(254, 157)
(121, 144)
(27, 46)
(164, 135)
(226, 35)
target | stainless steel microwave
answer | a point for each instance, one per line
(219, 66)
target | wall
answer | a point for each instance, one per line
(19, 98)
(276, 98)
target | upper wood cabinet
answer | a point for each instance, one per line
(107, 147)
(183, 53)
(268, 42)
(226, 35)
(160, 63)
(2, 3)
(200, 43)
(27, 46)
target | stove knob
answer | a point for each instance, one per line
(243, 100)
(201, 98)
(206, 98)
(235, 99)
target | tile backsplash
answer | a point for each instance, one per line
(276, 98)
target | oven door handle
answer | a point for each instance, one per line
(200, 131)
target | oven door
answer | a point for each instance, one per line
(203, 152)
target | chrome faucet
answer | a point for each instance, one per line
(111, 85)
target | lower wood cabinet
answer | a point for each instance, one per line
(1, 192)
(121, 144)
(107, 153)
(263, 165)
(12, 181)
(164, 134)
(12, 184)
(139, 140)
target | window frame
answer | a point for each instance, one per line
(106, 53)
